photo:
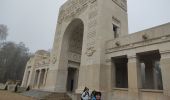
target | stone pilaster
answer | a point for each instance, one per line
(133, 78)
(39, 76)
(56, 80)
(45, 77)
(28, 78)
(32, 77)
(165, 68)
(25, 78)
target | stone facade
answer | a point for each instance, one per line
(92, 48)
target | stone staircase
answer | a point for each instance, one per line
(43, 95)
(21, 89)
(57, 96)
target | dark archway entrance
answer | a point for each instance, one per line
(72, 79)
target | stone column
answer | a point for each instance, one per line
(24, 78)
(31, 77)
(27, 78)
(149, 75)
(35, 78)
(45, 77)
(165, 68)
(39, 77)
(133, 78)
(155, 79)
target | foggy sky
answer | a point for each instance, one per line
(34, 21)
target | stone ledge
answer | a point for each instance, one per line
(155, 35)
(151, 90)
(121, 89)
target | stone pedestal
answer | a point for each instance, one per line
(45, 77)
(39, 76)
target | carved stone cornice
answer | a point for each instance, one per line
(136, 44)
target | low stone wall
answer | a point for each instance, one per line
(3, 86)
(12, 88)
(16, 88)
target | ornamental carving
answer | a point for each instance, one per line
(74, 57)
(54, 60)
(116, 21)
(92, 23)
(121, 3)
(75, 43)
(91, 34)
(72, 8)
(90, 51)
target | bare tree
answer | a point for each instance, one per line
(3, 32)
(13, 59)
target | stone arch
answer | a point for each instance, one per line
(76, 25)
(70, 55)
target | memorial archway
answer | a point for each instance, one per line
(71, 52)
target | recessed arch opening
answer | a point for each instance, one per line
(71, 52)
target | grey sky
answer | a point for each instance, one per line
(34, 21)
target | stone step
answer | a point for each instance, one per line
(43, 95)
(36, 94)
(58, 96)
(21, 89)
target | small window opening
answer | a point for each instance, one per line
(115, 31)
(121, 75)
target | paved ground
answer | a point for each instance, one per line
(6, 95)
